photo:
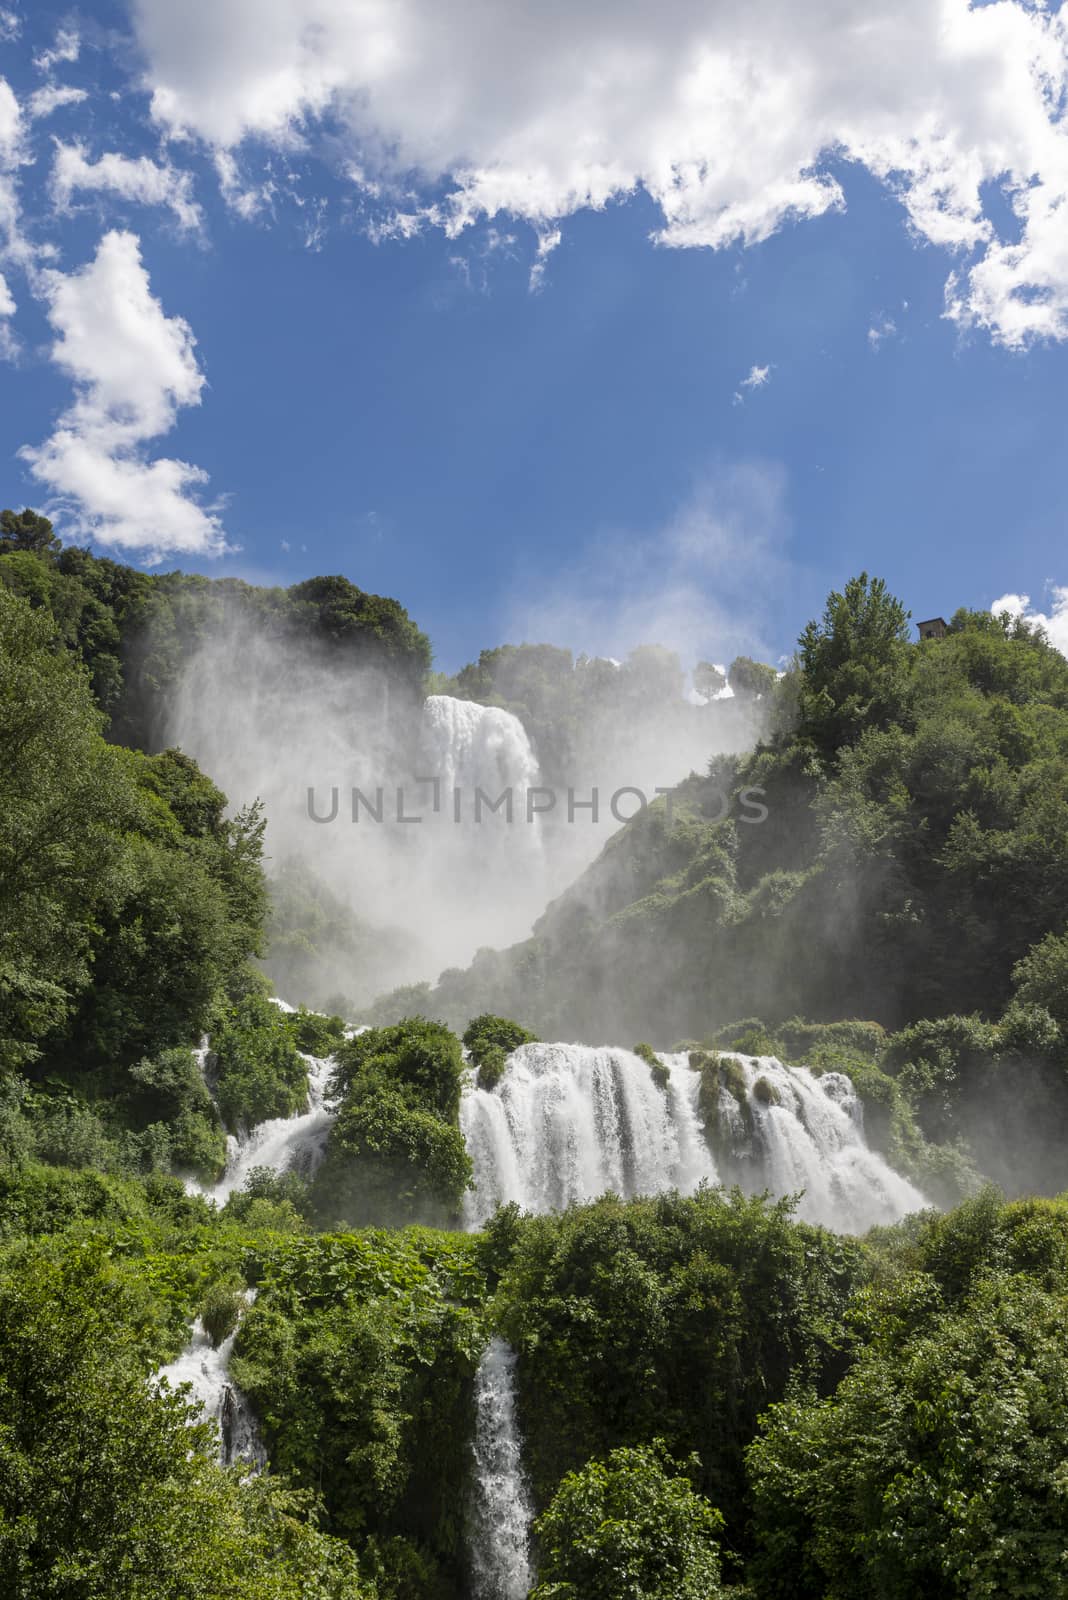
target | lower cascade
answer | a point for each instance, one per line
(206, 1368)
(569, 1122)
(283, 1144)
(501, 1511)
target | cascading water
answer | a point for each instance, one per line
(206, 1368)
(790, 1131)
(501, 1511)
(566, 1123)
(470, 744)
(285, 1144)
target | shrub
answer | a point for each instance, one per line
(258, 1070)
(646, 1053)
(628, 1526)
(491, 1041)
(315, 1033)
(221, 1308)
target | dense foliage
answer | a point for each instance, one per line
(490, 1041)
(628, 1529)
(135, 631)
(108, 1490)
(396, 1153)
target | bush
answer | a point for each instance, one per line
(395, 1153)
(314, 1033)
(491, 1041)
(258, 1070)
(625, 1527)
(221, 1309)
(646, 1053)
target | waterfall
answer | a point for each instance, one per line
(566, 1123)
(500, 1512)
(795, 1131)
(470, 744)
(207, 1370)
(284, 1144)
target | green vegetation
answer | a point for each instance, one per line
(711, 1393)
(490, 1041)
(258, 1069)
(106, 1490)
(134, 631)
(396, 1153)
(628, 1526)
(661, 1075)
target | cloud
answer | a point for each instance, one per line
(66, 47)
(881, 329)
(248, 200)
(140, 180)
(11, 128)
(10, 25)
(132, 367)
(44, 101)
(1054, 622)
(757, 378)
(736, 120)
(9, 346)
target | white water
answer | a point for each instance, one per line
(285, 1144)
(501, 1511)
(813, 1141)
(207, 1371)
(568, 1122)
(470, 744)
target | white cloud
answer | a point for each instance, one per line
(10, 25)
(9, 346)
(756, 379)
(140, 180)
(66, 47)
(11, 129)
(247, 199)
(882, 328)
(1054, 621)
(132, 367)
(44, 101)
(734, 119)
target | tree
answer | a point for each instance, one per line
(110, 1491)
(1041, 978)
(855, 665)
(749, 679)
(25, 530)
(709, 680)
(936, 1468)
(628, 1528)
(64, 798)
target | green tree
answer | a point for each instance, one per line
(936, 1468)
(855, 665)
(708, 680)
(628, 1528)
(749, 679)
(108, 1491)
(64, 798)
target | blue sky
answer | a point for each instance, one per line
(579, 457)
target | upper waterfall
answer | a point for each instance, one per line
(472, 745)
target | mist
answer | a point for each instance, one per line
(409, 870)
